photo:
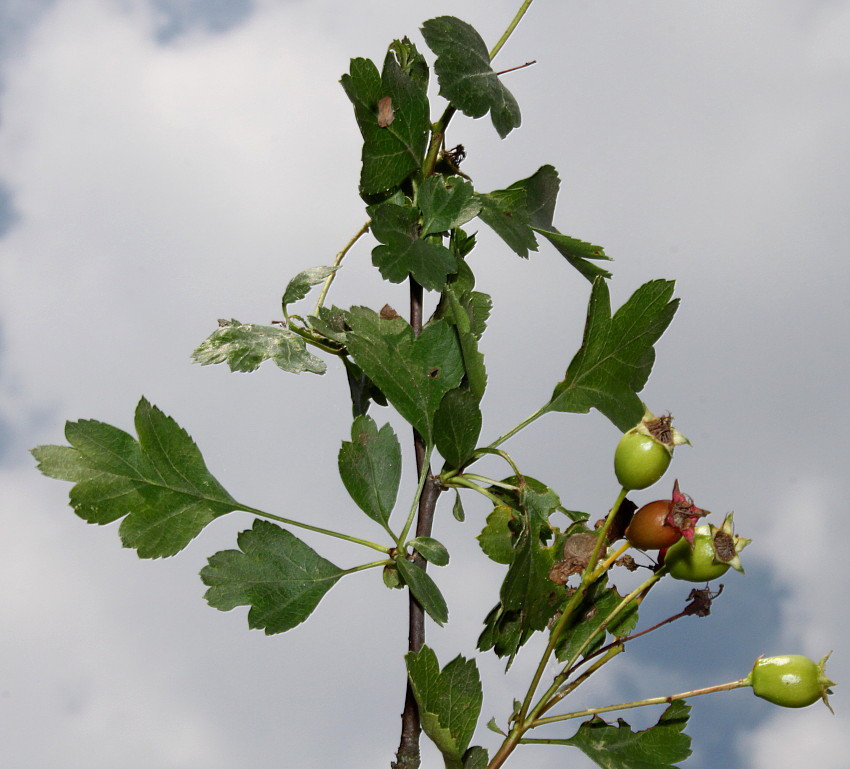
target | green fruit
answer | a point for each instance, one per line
(640, 460)
(699, 564)
(792, 680)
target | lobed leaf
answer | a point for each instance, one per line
(413, 374)
(391, 151)
(159, 483)
(370, 468)
(244, 346)
(403, 250)
(466, 78)
(598, 604)
(280, 577)
(617, 353)
(446, 202)
(528, 207)
(528, 597)
(618, 747)
(449, 704)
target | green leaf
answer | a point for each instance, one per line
(446, 202)
(431, 550)
(299, 286)
(528, 207)
(617, 353)
(466, 78)
(449, 704)
(361, 388)
(577, 253)
(476, 758)
(618, 747)
(413, 374)
(390, 152)
(280, 577)
(424, 590)
(370, 468)
(528, 598)
(245, 346)
(457, 425)
(598, 604)
(457, 508)
(506, 212)
(404, 252)
(159, 482)
(468, 312)
(496, 538)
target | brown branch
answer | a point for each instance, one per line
(407, 756)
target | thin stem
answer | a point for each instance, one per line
(641, 703)
(525, 423)
(609, 561)
(554, 693)
(511, 27)
(337, 261)
(503, 454)
(463, 480)
(414, 507)
(365, 566)
(317, 529)
(573, 603)
(485, 479)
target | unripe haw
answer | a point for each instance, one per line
(791, 680)
(710, 555)
(643, 454)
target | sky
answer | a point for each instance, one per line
(165, 163)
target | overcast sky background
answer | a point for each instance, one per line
(164, 163)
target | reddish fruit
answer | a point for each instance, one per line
(649, 529)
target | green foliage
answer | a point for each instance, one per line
(370, 468)
(424, 589)
(413, 374)
(280, 577)
(449, 704)
(466, 78)
(244, 346)
(584, 632)
(528, 207)
(618, 747)
(446, 203)
(616, 354)
(390, 152)
(457, 425)
(159, 483)
(431, 371)
(405, 252)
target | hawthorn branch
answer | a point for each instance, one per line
(407, 756)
